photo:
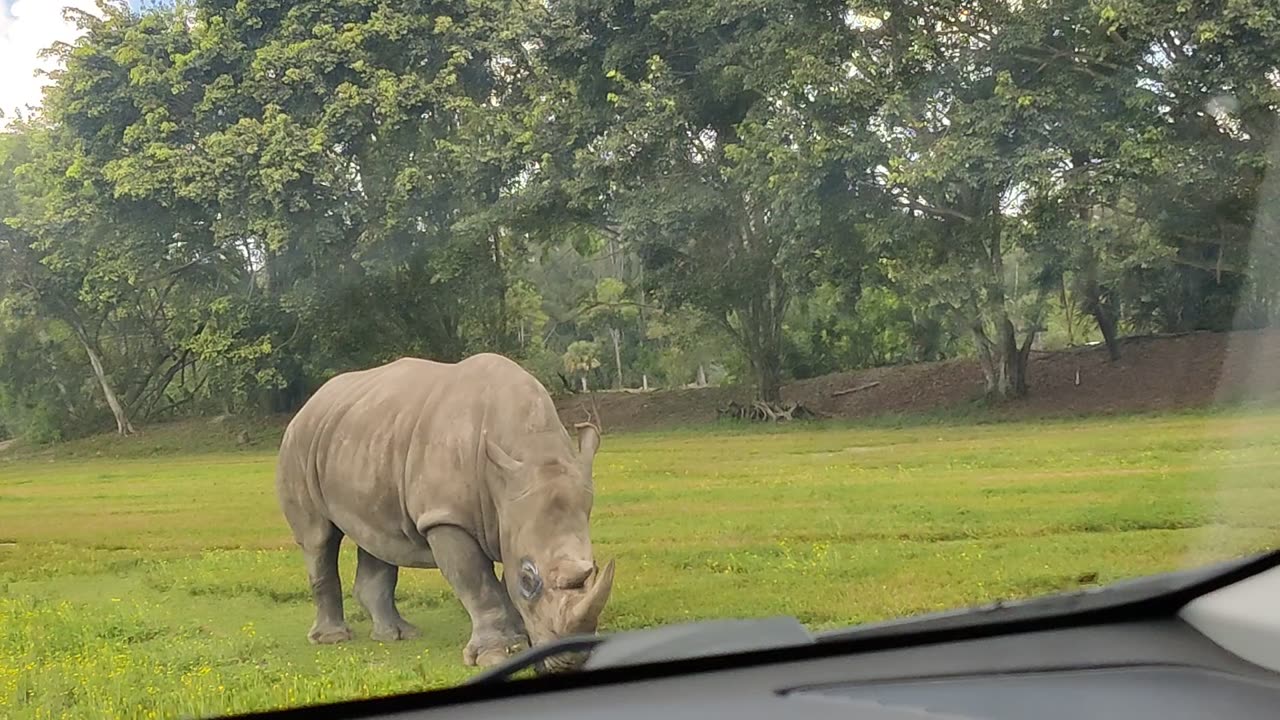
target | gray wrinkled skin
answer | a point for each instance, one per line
(450, 466)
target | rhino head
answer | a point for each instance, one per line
(548, 567)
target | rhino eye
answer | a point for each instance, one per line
(530, 580)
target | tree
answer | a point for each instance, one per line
(691, 347)
(353, 155)
(608, 308)
(679, 148)
(221, 204)
(103, 240)
(41, 378)
(581, 358)
(1213, 69)
(990, 148)
(955, 163)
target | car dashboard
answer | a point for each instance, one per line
(1197, 644)
(1159, 669)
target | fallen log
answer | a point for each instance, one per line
(850, 391)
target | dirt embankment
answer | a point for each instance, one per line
(1154, 373)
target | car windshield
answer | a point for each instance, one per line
(351, 347)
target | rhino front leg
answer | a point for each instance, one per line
(375, 588)
(496, 629)
(326, 588)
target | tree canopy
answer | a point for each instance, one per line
(219, 204)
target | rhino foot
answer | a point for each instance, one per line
(399, 630)
(487, 654)
(329, 635)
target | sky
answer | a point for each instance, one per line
(26, 28)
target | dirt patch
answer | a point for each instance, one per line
(6, 444)
(1153, 374)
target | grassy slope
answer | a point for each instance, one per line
(161, 584)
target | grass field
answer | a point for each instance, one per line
(167, 585)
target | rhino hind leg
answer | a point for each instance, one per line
(375, 588)
(496, 629)
(321, 555)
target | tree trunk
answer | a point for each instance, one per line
(1093, 303)
(159, 391)
(1101, 313)
(761, 337)
(1006, 347)
(123, 426)
(643, 327)
(1024, 362)
(766, 363)
(1068, 309)
(62, 388)
(986, 358)
(1004, 364)
(702, 376)
(1108, 327)
(500, 329)
(616, 336)
(1013, 361)
(768, 377)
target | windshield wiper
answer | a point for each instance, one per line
(660, 644)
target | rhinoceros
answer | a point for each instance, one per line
(455, 466)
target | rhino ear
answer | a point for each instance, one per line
(500, 457)
(588, 441)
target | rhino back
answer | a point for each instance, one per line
(387, 452)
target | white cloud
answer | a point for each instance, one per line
(26, 28)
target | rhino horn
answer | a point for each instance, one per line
(598, 587)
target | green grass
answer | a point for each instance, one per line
(138, 581)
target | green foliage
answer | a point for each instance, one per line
(823, 336)
(582, 357)
(222, 204)
(685, 340)
(696, 154)
(43, 397)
